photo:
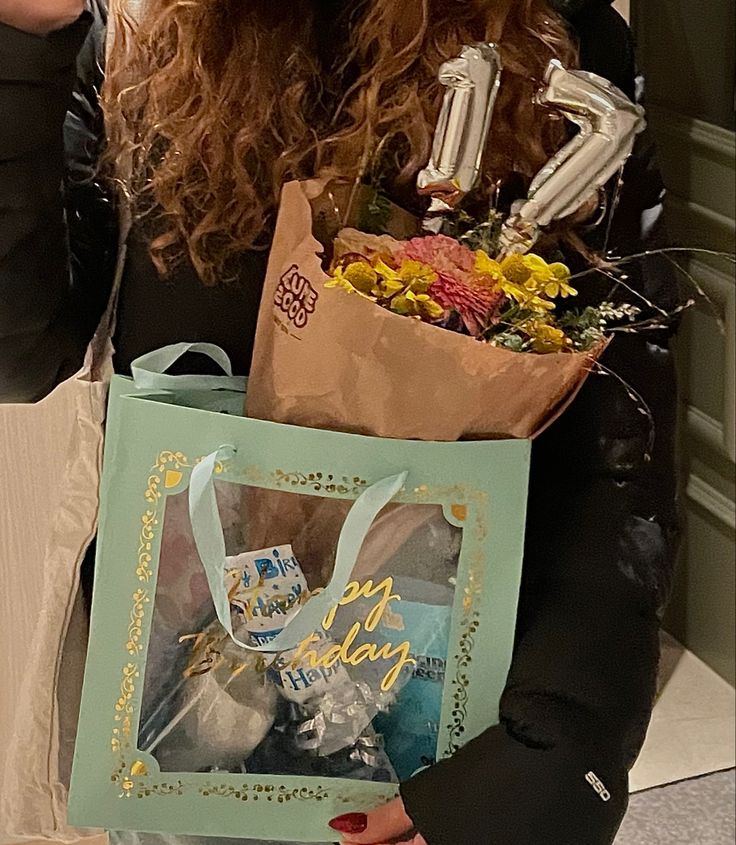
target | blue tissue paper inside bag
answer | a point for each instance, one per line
(411, 727)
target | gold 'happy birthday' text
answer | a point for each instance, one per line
(371, 652)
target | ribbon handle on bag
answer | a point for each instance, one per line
(149, 371)
(210, 542)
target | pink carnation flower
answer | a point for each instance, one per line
(444, 255)
(476, 306)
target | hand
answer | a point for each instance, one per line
(389, 824)
(40, 16)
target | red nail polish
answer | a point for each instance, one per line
(350, 823)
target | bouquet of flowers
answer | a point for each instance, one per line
(510, 302)
(516, 352)
(426, 337)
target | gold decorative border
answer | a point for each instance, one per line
(167, 470)
(120, 740)
(145, 544)
(277, 794)
(321, 482)
(166, 462)
(124, 708)
(461, 682)
(475, 503)
(137, 615)
(265, 792)
(133, 789)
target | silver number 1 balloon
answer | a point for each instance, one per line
(609, 123)
(472, 83)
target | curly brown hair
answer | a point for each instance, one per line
(214, 104)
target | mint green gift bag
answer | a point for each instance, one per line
(285, 621)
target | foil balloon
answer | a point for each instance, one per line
(609, 124)
(472, 81)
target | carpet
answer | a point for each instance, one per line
(696, 812)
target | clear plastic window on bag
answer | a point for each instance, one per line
(360, 699)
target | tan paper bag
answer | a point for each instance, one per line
(324, 359)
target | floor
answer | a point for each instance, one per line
(698, 812)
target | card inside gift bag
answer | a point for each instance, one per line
(361, 698)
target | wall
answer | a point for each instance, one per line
(687, 52)
(688, 49)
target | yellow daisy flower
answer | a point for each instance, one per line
(545, 337)
(514, 267)
(358, 277)
(551, 279)
(411, 274)
(410, 304)
(488, 268)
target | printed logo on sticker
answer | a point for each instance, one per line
(597, 784)
(429, 668)
(296, 297)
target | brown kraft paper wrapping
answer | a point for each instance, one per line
(325, 359)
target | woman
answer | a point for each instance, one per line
(209, 106)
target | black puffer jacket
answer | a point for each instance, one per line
(602, 519)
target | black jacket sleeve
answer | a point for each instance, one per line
(48, 117)
(601, 539)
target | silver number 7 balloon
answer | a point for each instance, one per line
(472, 83)
(609, 123)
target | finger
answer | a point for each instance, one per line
(382, 825)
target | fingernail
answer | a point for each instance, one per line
(350, 823)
